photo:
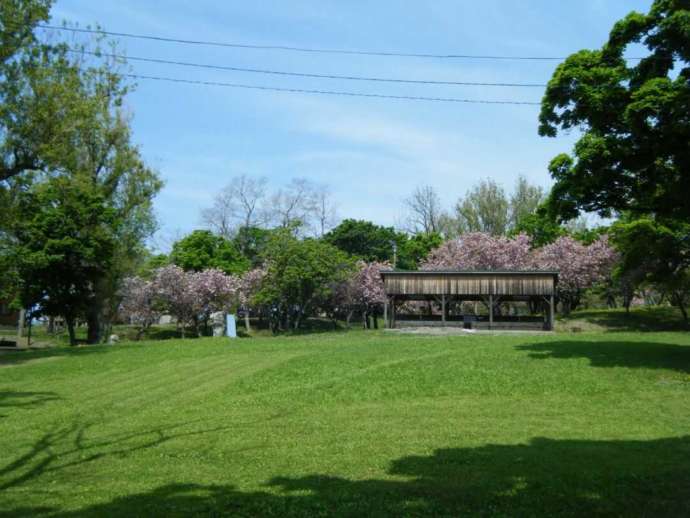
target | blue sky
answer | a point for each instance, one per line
(372, 153)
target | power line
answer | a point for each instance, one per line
(328, 92)
(305, 49)
(304, 74)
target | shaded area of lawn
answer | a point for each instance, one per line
(639, 319)
(10, 398)
(48, 353)
(543, 477)
(615, 353)
(127, 333)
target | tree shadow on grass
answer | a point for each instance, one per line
(545, 477)
(14, 399)
(614, 353)
(71, 446)
(645, 319)
(49, 353)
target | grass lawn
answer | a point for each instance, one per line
(352, 424)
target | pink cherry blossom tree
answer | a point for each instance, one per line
(481, 251)
(250, 284)
(580, 266)
(364, 291)
(175, 290)
(138, 303)
(212, 291)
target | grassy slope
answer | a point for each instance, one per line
(350, 423)
(642, 319)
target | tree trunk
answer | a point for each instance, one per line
(93, 325)
(348, 318)
(70, 330)
(677, 300)
(246, 321)
(98, 314)
(376, 321)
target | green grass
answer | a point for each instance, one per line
(350, 424)
(641, 319)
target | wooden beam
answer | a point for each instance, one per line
(551, 313)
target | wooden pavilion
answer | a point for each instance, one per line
(449, 287)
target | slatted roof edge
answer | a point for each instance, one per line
(470, 272)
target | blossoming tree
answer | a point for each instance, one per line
(481, 251)
(580, 266)
(139, 303)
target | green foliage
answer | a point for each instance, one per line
(365, 240)
(252, 242)
(65, 246)
(524, 201)
(300, 274)
(415, 249)
(541, 228)
(658, 253)
(62, 118)
(370, 242)
(150, 262)
(18, 19)
(202, 250)
(485, 208)
(634, 153)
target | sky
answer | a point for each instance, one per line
(372, 153)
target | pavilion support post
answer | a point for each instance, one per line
(394, 312)
(385, 313)
(551, 313)
(443, 309)
(491, 311)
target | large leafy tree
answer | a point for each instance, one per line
(413, 249)
(252, 241)
(635, 117)
(300, 275)
(365, 240)
(658, 253)
(18, 19)
(65, 245)
(62, 118)
(485, 208)
(202, 250)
